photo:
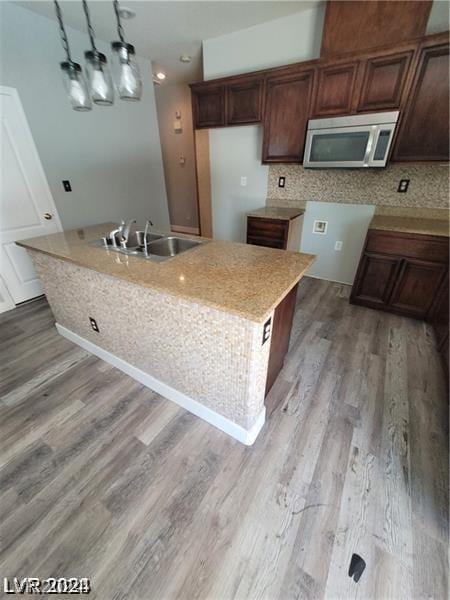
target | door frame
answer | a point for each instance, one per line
(8, 302)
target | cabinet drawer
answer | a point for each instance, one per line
(267, 232)
(408, 245)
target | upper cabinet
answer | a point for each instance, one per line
(237, 101)
(334, 94)
(424, 128)
(411, 77)
(208, 105)
(384, 81)
(288, 100)
(244, 101)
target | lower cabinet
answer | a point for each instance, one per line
(401, 273)
(284, 234)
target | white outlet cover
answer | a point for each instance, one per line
(338, 246)
(243, 181)
(320, 227)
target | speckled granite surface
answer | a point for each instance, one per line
(428, 188)
(410, 225)
(276, 212)
(245, 280)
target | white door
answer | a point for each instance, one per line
(26, 205)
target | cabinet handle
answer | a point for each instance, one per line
(48, 216)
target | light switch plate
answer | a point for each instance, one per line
(243, 181)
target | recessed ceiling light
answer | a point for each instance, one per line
(185, 58)
(160, 75)
(126, 13)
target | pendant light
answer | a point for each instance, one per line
(126, 70)
(74, 81)
(100, 83)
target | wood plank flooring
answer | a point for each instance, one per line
(102, 478)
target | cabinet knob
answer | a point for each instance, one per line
(48, 216)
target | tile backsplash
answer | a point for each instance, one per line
(428, 187)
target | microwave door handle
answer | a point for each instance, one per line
(370, 145)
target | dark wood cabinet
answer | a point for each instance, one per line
(401, 272)
(244, 101)
(287, 110)
(416, 287)
(424, 128)
(208, 104)
(439, 319)
(375, 280)
(384, 81)
(275, 233)
(272, 233)
(334, 94)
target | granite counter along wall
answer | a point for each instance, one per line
(211, 356)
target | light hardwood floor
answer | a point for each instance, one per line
(102, 478)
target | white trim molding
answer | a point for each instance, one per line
(245, 436)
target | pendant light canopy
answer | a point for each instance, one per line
(125, 67)
(100, 84)
(73, 78)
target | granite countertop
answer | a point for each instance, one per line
(407, 224)
(249, 281)
(272, 212)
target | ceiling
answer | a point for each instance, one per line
(162, 31)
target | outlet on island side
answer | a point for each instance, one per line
(266, 330)
(94, 325)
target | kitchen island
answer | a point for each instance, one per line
(207, 329)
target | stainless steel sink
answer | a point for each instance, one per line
(158, 248)
(171, 246)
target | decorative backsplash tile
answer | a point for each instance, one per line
(428, 188)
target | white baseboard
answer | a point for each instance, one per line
(245, 436)
(325, 279)
(184, 229)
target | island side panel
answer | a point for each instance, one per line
(214, 357)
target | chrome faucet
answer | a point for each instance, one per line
(126, 231)
(147, 225)
(117, 231)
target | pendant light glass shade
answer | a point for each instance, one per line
(75, 85)
(126, 71)
(100, 83)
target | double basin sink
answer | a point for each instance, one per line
(158, 246)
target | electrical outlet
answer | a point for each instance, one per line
(266, 330)
(94, 324)
(281, 182)
(338, 246)
(403, 186)
(66, 185)
(243, 181)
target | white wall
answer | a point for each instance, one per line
(236, 152)
(180, 178)
(347, 223)
(111, 155)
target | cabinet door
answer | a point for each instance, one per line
(286, 117)
(272, 233)
(416, 287)
(439, 314)
(244, 102)
(424, 130)
(208, 103)
(374, 280)
(334, 90)
(384, 81)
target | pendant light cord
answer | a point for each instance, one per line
(89, 26)
(62, 32)
(119, 23)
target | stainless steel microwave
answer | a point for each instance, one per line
(355, 141)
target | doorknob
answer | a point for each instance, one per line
(48, 216)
